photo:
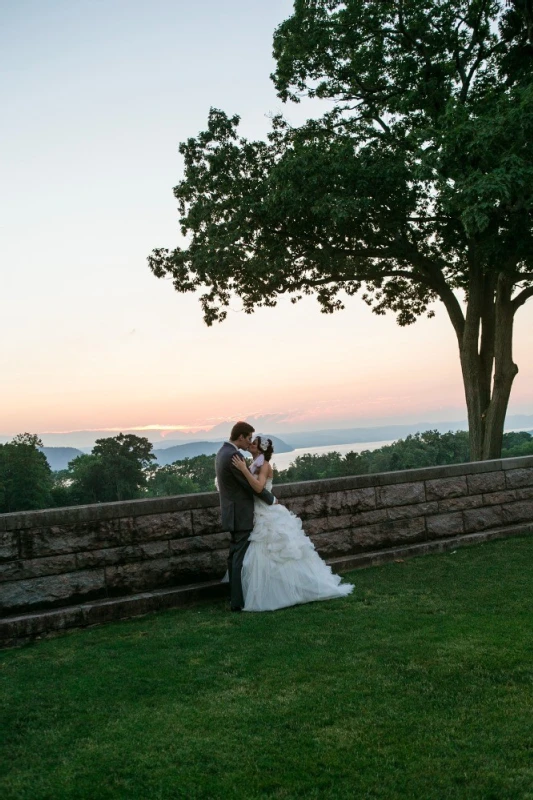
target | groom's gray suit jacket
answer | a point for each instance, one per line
(236, 494)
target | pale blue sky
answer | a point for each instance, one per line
(96, 98)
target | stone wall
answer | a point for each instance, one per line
(62, 557)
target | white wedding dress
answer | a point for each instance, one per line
(281, 566)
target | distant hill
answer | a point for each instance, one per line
(84, 440)
(59, 457)
(168, 455)
(381, 434)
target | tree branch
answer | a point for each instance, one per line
(521, 298)
(462, 61)
(418, 45)
(372, 108)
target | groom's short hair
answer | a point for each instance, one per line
(241, 429)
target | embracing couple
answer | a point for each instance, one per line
(272, 563)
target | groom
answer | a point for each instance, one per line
(237, 505)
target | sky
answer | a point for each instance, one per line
(97, 95)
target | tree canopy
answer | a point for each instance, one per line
(414, 186)
(195, 474)
(26, 482)
(115, 470)
(25, 475)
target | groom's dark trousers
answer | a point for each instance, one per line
(237, 551)
(237, 509)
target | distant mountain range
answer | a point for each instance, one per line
(387, 432)
(59, 457)
(167, 455)
(358, 435)
(84, 440)
(170, 450)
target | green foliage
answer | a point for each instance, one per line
(195, 474)
(25, 475)
(424, 151)
(123, 464)
(62, 494)
(517, 444)
(115, 470)
(427, 449)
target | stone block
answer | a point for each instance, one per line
(524, 494)
(367, 538)
(518, 512)
(416, 510)
(517, 462)
(122, 555)
(10, 571)
(445, 524)
(401, 494)
(388, 534)
(199, 567)
(321, 525)
(350, 501)
(337, 522)
(107, 556)
(318, 525)
(61, 539)
(206, 520)
(497, 498)
(369, 517)
(516, 478)
(445, 488)
(485, 482)
(460, 503)
(200, 544)
(307, 506)
(161, 526)
(180, 568)
(37, 567)
(154, 549)
(338, 543)
(139, 576)
(29, 626)
(9, 548)
(68, 588)
(118, 608)
(404, 530)
(126, 527)
(481, 519)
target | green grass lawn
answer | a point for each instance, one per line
(419, 685)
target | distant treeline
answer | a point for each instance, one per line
(121, 468)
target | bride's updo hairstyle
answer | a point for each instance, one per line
(264, 446)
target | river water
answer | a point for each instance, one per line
(284, 460)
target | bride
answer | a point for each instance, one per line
(281, 566)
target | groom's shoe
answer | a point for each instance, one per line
(236, 609)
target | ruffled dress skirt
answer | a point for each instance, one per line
(281, 566)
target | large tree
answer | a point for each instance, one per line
(415, 186)
(115, 470)
(25, 475)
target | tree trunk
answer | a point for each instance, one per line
(505, 370)
(485, 348)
